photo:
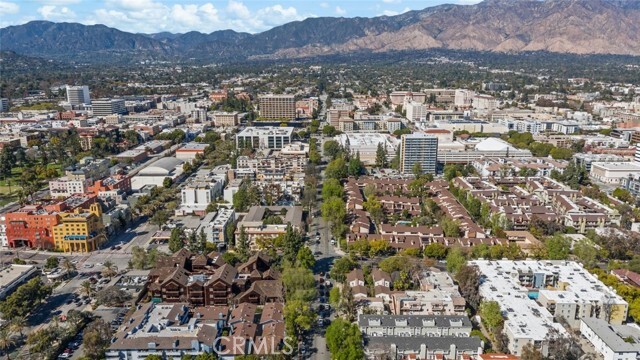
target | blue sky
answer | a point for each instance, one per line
(151, 16)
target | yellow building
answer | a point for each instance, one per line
(80, 231)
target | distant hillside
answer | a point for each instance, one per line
(563, 26)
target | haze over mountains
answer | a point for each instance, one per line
(564, 26)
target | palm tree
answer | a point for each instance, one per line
(18, 324)
(86, 287)
(109, 269)
(6, 340)
(68, 266)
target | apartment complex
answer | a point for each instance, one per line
(420, 149)
(277, 107)
(225, 119)
(535, 294)
(255, 226)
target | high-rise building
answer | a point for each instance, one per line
(106, 107)
(78, 95)
(4, 105)
(416, 111)
(418, 148)
(277, 107)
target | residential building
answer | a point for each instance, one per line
(78, 95)
(586, 159)
(65, 187)
(424, 347)
(80, 230)
(259, 221)
(484, 102)
(216, 228)
(197, 195)
(199, 115)
(420, 149)
(463, 98)
(106, 107)
(267, 137)
(88, 168)
(167, 330)
(535, 294)
(613, 342)
(415, 325)
(277, 107)
(441, 96)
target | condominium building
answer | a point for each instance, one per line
(420, 149)
(614, 342)
(106, 107)
(65, 187)
(80, 231)
(536, 294)
(215, 224)
(78, 95)
(268, 137)
(277, 107)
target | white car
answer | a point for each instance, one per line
(88, 266)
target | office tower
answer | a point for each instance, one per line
(419, 148)
(277, 107)
(106, 107)
(78, 95)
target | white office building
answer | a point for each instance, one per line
(106, 107)
(3, 231)
(416, 111)
(78, 95)
(418, 148)
(267, 137)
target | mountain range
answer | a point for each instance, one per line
(563, 26)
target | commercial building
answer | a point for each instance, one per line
(420, 149)
(65, 187)
(586, 159)
(13, 276)
(268, 137)
(463, 98)
(106, 107)
(277, 107)
(154, 174)
(416, 111)
(467, 152)
(31, 226)
(4, 105)
(367, 145)
(80, 230)
(535, 294)
(88, 168)
(225, 119)
(614, 342)
(188, 152)
(613, 173)
(78, 95)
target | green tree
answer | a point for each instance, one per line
(242, 245)
(159, 218)
(167, 182)
(436, 251)
(298, 317)
(450, 227)
(299, 283)
(623, 195)
(176, 240)
(335, 296)
(586, 253)
(26, 298)
(558, 247)
(153, 357)
(332, 149)
(292, 243)
(344, 340)
(341, 267)
(329, 131)
(7, 341)
(561, 153)
(334, 210)
(97, 337)
(381, 156)
(355, 166)
(468, 279)
(336, 169)
(52, 263)
(332, 187)
(416, 169)
(491, 315)
(456, 259)
(305, 258)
